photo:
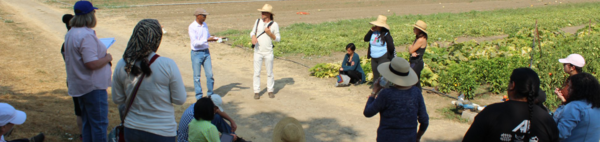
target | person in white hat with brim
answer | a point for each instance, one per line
(9, 117)
(399, 103)
(200, 53)
(265, 31)
(573, 65)
(381, 44)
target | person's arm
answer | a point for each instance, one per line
(224, 115)
(197, 37)
(213, 135)
(478, 130)
(389, 41)
(375, 103)
(423, 117)
(118, 89)
(344, 63)
(177, 89)
(568, 120)
(368, 36)
(253, 32)
(89, 53)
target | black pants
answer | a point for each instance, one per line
(417, 66)
(355, 76)
(376, 62)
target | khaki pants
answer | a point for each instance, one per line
(258, 60)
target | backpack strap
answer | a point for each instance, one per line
(135, 90)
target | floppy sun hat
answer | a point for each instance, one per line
(83, 7)
(398, 71)
(381, 22)
(574, 59)
(421, 26)
(8, 114)
(267, 8)
(288, 130)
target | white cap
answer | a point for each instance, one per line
(217, 101)
(574, 59)
(8, 114)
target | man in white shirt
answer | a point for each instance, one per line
(199, 38)
(264, 32)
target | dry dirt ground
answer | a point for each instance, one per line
(32, 76)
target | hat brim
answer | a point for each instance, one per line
(261, 10)
(564, 61)
(19, 118)
(409, 80)
(278, 130)
(418, 27)
(379, 24)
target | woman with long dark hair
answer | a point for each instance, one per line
(417, 49)
(381, 44)
(518, 119)
(577, 119)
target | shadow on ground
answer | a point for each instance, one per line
(279, 84)
(316, 129)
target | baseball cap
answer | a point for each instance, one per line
(83, 7)
(574, 59)
(217, 101)
(8, 114)
(200, 11)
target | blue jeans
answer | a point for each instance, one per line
(202, 58)
(94, 115)
(133, 135)
(221, 124)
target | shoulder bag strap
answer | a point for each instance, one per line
(256, 28)
(268, 26)
(135, 90)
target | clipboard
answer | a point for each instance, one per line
(108, 41)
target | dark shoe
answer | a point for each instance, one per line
(271, 95)
(39, 138)
(256, 96)
(242, 140)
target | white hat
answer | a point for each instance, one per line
(574, 59)
(398, 71)
(8, 114)
(217, 101)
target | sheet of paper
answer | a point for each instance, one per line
(108, 41)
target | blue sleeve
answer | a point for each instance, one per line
(356, 60)
(568, 119)
(423, 117)
(374, 105)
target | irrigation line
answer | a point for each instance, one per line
(446, 95)
(275, 57)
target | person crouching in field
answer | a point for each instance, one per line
(351, 67)
(417, 49)
(517, 119)
(398, 102)
(218, 120)
(149, 116)
(264, 32)
(88, 72)
(577, 118)
(200, 129)
(381, 44)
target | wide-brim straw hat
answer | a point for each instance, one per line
(288, 130)
(421, 26)
(381, 22)
(267, 8)
(399, 72)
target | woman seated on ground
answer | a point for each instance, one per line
(201, 129)
(517, 119)
(398, 102)
(351, 66)
(151, 116)
(577, 119)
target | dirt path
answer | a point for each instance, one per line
(327, 113)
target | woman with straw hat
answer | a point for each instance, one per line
(417, 49)
(398, 102)
(381, 44)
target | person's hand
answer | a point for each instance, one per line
(352, 63)
(267, 30)
(373, 29)
(341, 69)
(254, 40)
(108, 57)
(233, 127)
(376, 88)
(235, 137)
(560, 95)
(414, 54)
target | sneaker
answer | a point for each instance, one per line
(271, 95)
(256, 96)
(38, 138)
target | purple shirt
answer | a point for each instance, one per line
(82, 46)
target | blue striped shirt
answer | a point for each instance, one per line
(186, 118)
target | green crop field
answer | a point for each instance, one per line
(328, 37)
